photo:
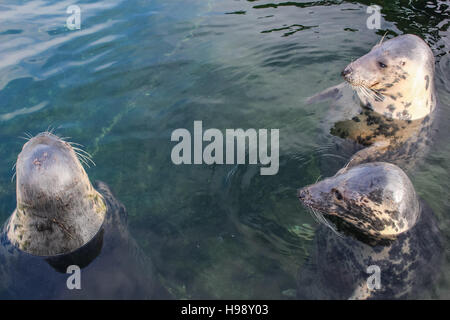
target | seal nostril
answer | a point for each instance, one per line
(346, 71)
(301, 194)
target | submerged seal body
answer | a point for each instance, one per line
(381, 222)
(394, 83)
(61, 220)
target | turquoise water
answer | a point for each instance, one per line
(137, 70)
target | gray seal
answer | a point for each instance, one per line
(396, 78)
(58, 210)
(395, 84)
(374, 218)
(61, 220)
(395, 87)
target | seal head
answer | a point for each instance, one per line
(377, 199)
(58, 210)
(395, 78)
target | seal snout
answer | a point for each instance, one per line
(346, 73)
(305, 197)
(303, 194)
(46, 162)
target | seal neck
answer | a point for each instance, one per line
(59, 227)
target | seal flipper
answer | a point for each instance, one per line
(330, 93)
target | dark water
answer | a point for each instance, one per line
(137, 70)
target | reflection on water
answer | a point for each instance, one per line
(137, 70)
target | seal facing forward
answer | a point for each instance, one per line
(62, 221)
(381, 222)
(58, 210)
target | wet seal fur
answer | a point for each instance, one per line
(380, 221)
(61, 220)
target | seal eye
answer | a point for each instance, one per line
(382, 65)
(338, 194)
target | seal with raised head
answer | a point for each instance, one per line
(395, 86)
(374, 218)
(61, 220)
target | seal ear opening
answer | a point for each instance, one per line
(337, 194)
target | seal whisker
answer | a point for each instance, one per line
(81, 150)
(83, 160)
(377, 93)
(75, 144)
(382, 39)
(366, 91)
(314, 215)
(84, 154)
(88, 158)
(13, 169)
(360, 89)
(28, 134)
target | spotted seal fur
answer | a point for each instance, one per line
(379, 221)
(394, 83)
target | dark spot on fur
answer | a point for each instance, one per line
(376, 196)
